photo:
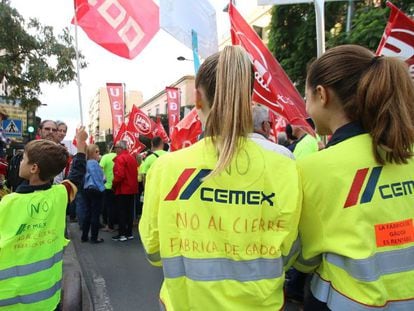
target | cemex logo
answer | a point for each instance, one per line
(386, 191)
(255, 197)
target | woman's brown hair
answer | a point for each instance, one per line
(377, 91)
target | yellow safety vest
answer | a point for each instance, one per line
(31, 248)
(224, 242)
(306, 146)
(357, 228)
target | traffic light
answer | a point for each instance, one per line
(31, 124)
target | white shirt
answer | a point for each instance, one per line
(267, 144)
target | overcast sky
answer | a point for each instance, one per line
(153, 69)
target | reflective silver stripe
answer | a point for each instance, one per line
(293, 251)
(30, 268)
(32, 298)
(323, 291)
(311, 262)
(218, 269)
(153, 257)
(372, 268)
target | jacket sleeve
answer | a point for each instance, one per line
(148, 226)
(78, 170)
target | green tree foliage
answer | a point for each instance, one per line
(292, 36)
(30, 54)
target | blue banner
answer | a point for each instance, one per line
(195, 50)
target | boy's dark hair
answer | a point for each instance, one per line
(51, 158)
(156, 141)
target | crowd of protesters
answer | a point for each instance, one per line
(299, 220)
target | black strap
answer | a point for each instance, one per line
(151, 152)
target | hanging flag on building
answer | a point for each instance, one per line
(173, 105)
(272, 86)
(186, 132)
(180, 17)
(398, 38)
(116, 96)
(123, 27)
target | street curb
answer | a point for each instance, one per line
(94, 283)
(73, 283)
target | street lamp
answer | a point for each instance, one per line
(182, 58)
(226, 8)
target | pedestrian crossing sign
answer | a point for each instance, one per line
(12, 127)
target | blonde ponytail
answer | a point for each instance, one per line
(230, 118)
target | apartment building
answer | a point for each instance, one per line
(100, 116)
(157, 104)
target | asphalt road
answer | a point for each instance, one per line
(118, 276)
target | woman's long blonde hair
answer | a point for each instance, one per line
(227, 78)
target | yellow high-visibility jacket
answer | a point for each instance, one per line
(31, 248)
(222, 242)
(357, 228)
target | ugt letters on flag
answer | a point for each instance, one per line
(123, 27)
(398, 38)
(116, 100)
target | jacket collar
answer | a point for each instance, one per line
(346, 131)
(24, 187)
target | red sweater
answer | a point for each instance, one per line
(125, 174)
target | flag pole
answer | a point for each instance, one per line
(77, 68)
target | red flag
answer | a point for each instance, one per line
(116, 100)
(272, 87)
(74, 141)
(132, 139)
(121, 131)
(160, 131)
(278, 124)
(91, 139)
(398, 38)
(173, 104)
(140, 123)
(123, 27)
(186, 132)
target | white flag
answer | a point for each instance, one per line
(179, 17)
